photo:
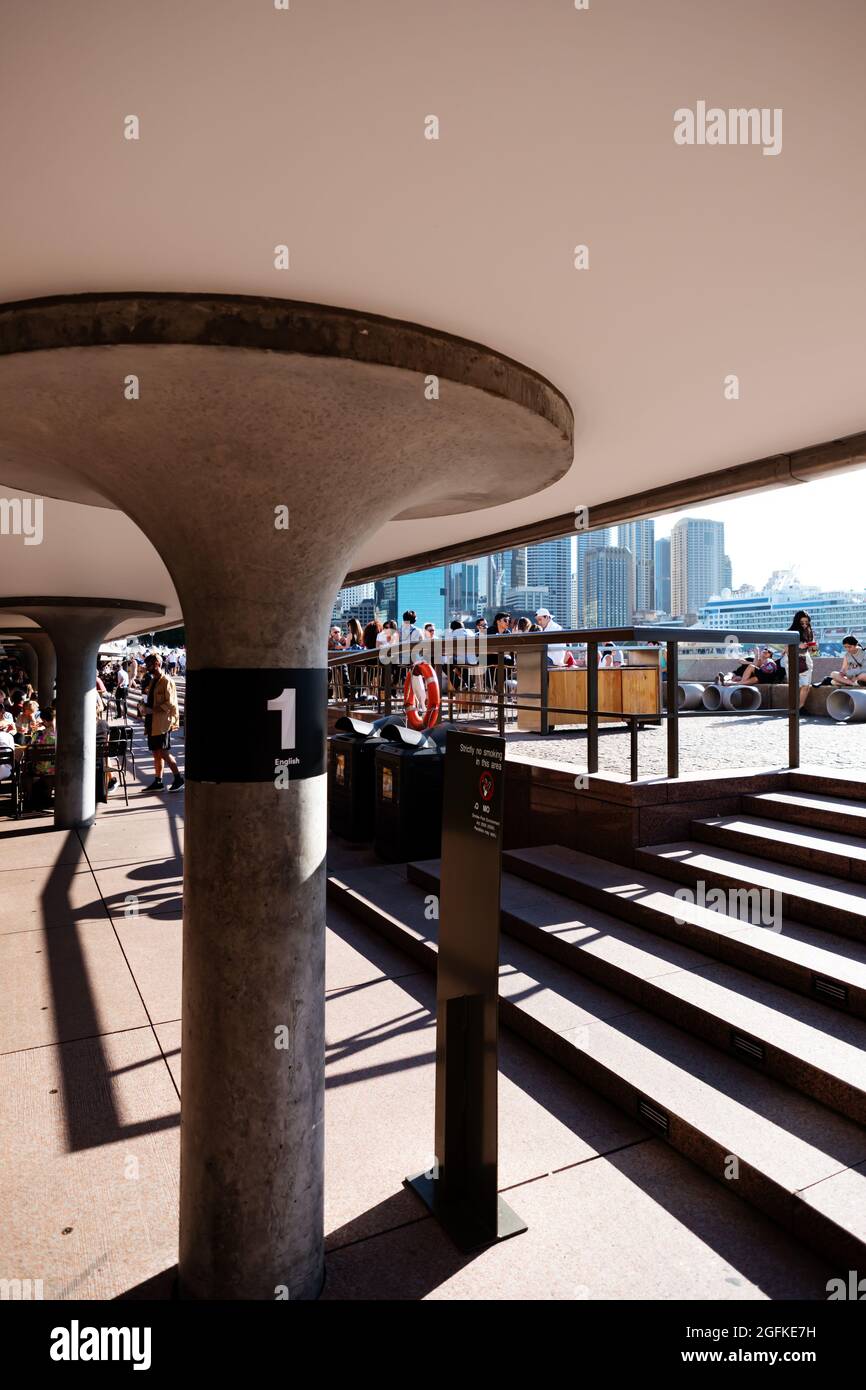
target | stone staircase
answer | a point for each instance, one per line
(743, 1045)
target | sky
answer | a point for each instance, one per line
(817, 528)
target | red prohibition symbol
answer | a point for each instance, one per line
(486, 786)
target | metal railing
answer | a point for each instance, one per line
(444, 652)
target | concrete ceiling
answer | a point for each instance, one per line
(306, 127)
(89, 552)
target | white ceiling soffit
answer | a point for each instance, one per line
(306, 127)
(65, 548)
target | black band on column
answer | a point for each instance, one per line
(255, 725)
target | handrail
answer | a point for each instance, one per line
(642, 635)
(468, 648)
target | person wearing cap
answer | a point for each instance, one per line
(555, 652)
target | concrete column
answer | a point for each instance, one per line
(27, 656)
(77, 642)
(75, 628)
(46, 666)
(252, 1136)
(242, 460)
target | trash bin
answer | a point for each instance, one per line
(352, 777)
(409, 777)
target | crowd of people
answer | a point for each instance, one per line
(458, 646)
(767, 667)
(24, 724)
(460, 649)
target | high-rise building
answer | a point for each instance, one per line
(727, 573)
(385, 593)
(462, 586)
(356, 601)
(424, 593)
(499, 578)
(517, 578)
(608, 586)
(639, 538)
(663, 574)
(524, 602)
(587, 541)
(697, 548)
(548, 565)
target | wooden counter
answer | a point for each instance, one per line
(630, 689)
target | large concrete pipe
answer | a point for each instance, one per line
(713, 698)
(742, 699)
(739, 699)
(689, 695)
(847, 706)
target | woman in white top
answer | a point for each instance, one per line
(853, 669)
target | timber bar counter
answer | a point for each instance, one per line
(633, 689)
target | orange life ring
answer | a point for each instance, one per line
(428, 718)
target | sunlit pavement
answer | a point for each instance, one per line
(707, 744)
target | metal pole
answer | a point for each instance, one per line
(545, 722)
(500, 693)
(389, 686)
(633, 750)
(673, 710)
(793, 706)
(592, 707)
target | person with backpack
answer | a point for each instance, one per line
(161, 716)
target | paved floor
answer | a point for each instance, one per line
(708, 743)
(90, 936)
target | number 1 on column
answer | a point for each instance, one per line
(285, 703)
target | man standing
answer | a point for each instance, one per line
(555, 652)
(161, 716)
(121, 692)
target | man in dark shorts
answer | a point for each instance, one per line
(161, 716)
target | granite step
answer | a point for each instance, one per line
(820, 900)
(812, 809)
(844, 785)
(797, 1040)
(802, 958)
(826, 851)
(798, 1161)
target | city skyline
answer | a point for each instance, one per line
(798, 529)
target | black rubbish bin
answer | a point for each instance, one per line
(352, 777)
(409, 775)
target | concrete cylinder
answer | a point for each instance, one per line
(46, 660)
(689, 695)
(713, 698)
(26, 654)
(742, 699)
(76, 640)
(847, 706)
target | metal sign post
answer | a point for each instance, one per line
(461, 1189)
